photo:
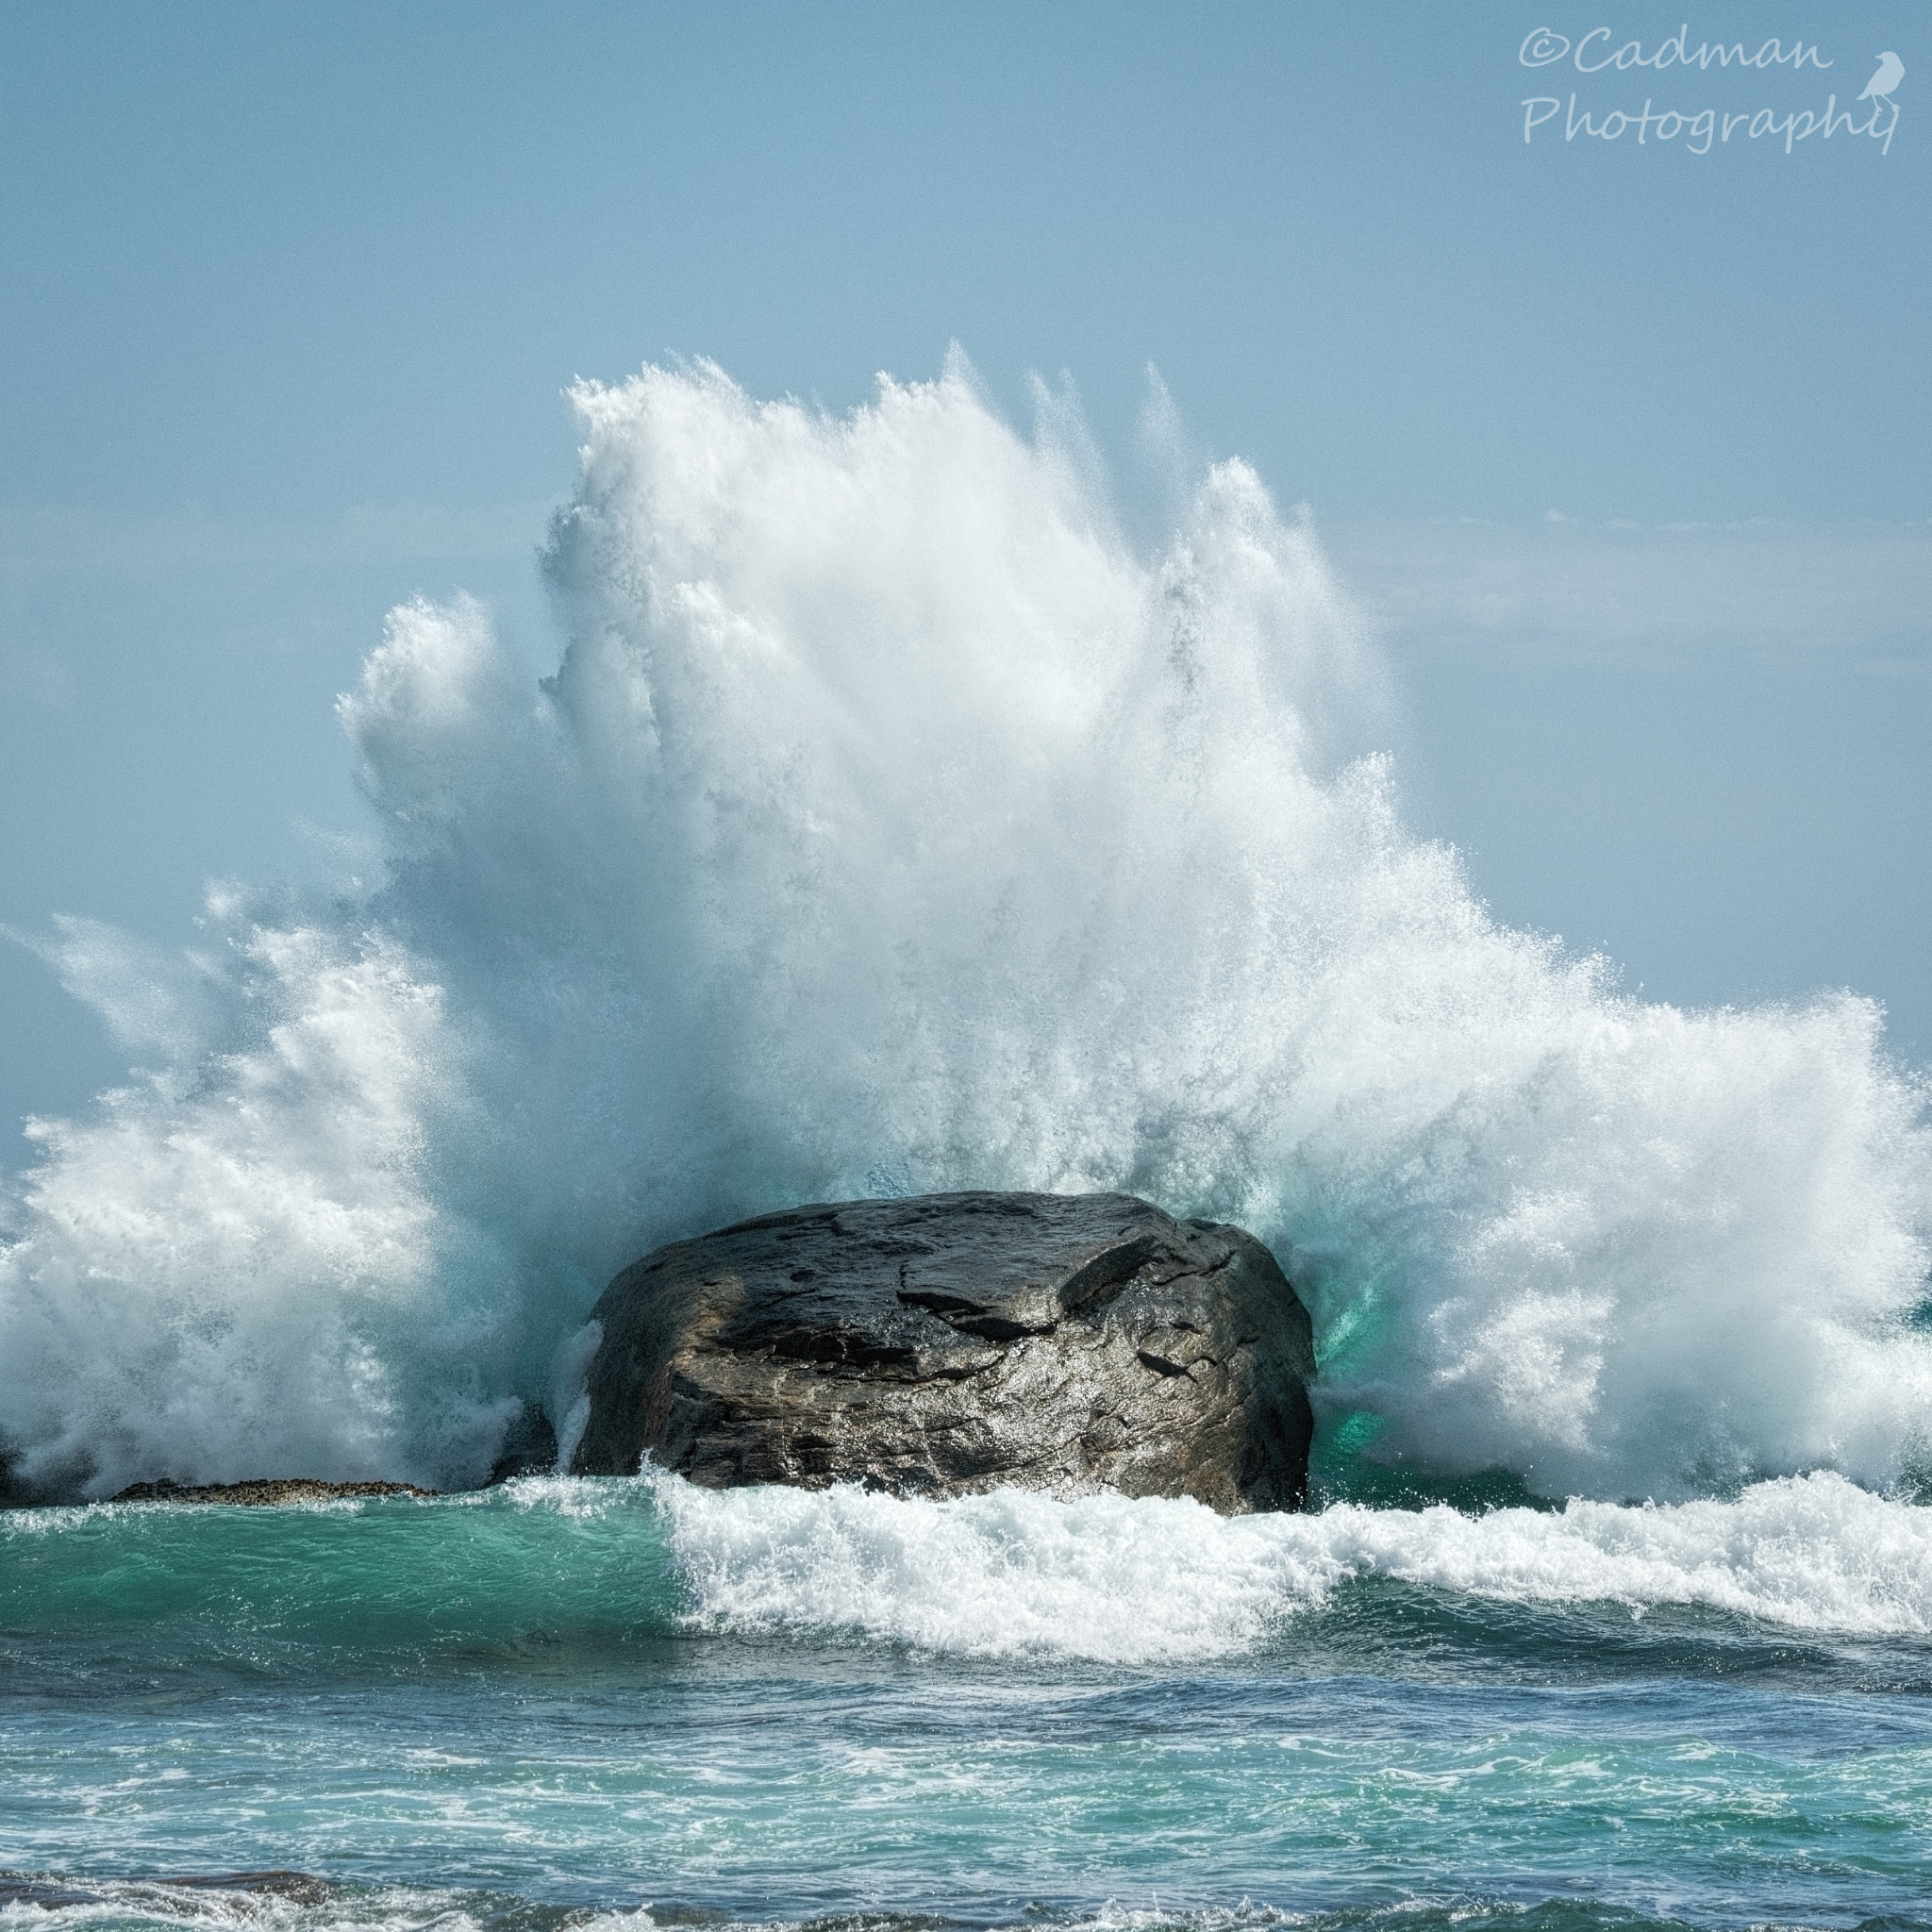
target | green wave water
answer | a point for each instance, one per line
(362, 1589)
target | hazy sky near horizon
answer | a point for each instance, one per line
(1622, 446)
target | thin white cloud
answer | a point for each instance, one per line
(78, 584)
(36, 540)
(1627, 593)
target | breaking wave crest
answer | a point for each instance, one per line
(892, 823)
(1140, 1581)
(592, 1568)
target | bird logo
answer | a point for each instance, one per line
(1891, 69)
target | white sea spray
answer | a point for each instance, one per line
(892, 821)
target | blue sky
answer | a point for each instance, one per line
(1624, 448)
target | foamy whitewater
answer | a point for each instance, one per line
(1135, 1582)
(893, 822)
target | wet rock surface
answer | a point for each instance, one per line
(261, 1491)
(952, 1343)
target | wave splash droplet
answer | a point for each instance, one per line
(890, 815)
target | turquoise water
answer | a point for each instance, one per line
(556, 1701)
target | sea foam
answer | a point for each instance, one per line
(891, 822)
(1124, 1581)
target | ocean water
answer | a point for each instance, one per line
(564, 1699)
(896, 819)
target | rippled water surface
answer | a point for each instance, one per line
(561, 1700)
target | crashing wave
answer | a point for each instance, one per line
(890, 815)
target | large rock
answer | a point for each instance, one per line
(960, 1342)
